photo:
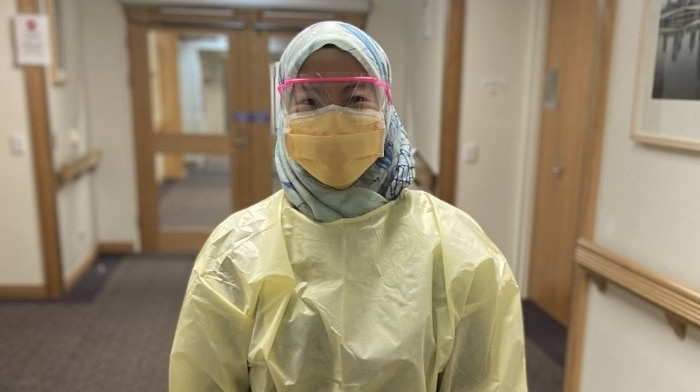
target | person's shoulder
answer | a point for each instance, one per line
(233, 258)
(249, 221)
(454, 224)
(439, 207)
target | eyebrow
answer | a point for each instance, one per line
(368, 79)
(357, 86)
(350, 87)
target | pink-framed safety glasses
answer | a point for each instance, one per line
(309, 93)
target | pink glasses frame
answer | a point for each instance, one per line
(338, 79)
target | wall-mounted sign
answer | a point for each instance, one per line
(251, 117)
(32, 44)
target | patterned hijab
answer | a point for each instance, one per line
(387, 177)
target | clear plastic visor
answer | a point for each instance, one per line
(303, 94)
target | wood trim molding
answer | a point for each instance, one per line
(594, 139)
(77, 167)
(116, 248)
(149, 15)
(208, 144)
(575, 333)
(142, 129)
(82, 266)
(591, 177)
(182, 241)
(451, 100)
(22, 292)
(680, 303)
(673, 297)
(39, 124)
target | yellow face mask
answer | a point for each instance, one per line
(336, 145)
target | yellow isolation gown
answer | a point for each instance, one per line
(409, 297)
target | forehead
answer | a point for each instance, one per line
(333, 60)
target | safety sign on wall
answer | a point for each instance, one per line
(32, 44)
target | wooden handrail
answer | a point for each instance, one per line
(680, 302)
(77, 167)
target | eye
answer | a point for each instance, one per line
(363, 97)
(362, 101)
(357, 99)
(307, 104)
(305, 100)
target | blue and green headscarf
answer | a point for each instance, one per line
(387, 177)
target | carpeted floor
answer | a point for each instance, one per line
(201, 199)
(117, 341)
(113, 332)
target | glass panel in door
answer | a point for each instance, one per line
(188, 73)
(194, 190)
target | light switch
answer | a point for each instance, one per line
(470, 153)
(18, 143)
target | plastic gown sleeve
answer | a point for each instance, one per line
(210, 349)
(484, 301)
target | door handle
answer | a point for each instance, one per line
(557, 171)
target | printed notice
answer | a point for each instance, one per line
(32, 43)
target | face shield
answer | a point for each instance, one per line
(306, 93)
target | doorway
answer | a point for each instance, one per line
(202, 100)
(579, 44)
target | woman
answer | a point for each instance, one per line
(346, 279)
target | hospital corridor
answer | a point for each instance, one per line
(507, 200)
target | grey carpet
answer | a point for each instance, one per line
(113, 333)
(543, 373)
(119, 341)
(200, 200)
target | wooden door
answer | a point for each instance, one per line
(201, 98)
(566, 150)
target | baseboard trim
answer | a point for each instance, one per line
(77, 272)
(22, 292)
(115, 248)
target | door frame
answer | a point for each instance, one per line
(590, 182)
(44, 178)
(588, 176)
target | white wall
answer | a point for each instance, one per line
(503, 59)
(661, 227)
(91, 110)
(648, 212)
(71, 135)
(424, 36)
(505, 42)
(106, 59)
(415, 47)
(21, 260)
(630, 347)
(390, 37)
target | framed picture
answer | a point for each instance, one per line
(56, 25)
(667, 96)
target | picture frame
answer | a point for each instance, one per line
(57, 70)
(667, 92)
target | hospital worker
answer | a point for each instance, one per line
(346, 280)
